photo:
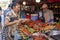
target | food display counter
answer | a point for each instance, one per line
(34, 30)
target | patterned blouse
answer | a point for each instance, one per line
(11, 16)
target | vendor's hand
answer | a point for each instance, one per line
(16, 21)
(19, 20)
(24, 20)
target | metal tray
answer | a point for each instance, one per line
(54, 32)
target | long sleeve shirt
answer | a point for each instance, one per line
(48, 15)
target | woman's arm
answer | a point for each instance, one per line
(7, 23)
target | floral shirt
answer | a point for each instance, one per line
(11, 16)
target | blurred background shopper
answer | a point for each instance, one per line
(47, 14)
(8, 9)
(0, 24)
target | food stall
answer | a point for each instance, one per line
(35, 29)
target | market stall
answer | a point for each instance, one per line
(35, 30)
(32, 25)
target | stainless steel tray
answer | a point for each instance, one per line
(54, 32)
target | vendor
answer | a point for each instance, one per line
(47, 14)
(11, 20)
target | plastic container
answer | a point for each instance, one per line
(34, 17)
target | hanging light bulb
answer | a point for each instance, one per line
(24, 3)
(37, 1)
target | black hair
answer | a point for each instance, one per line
(14, 4)
(10, 5)
(0, 8)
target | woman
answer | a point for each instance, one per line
(0, 23)
(12, 19)
(0, 18)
